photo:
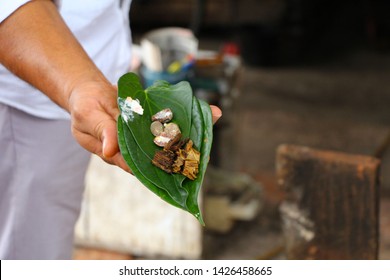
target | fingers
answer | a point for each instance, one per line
(216, 113)
(94, 112)
(118, 160)
(94, 146)
(109, 139)
(110, 150)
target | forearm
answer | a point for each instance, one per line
(37, 46)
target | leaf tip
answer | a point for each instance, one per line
(199, 217)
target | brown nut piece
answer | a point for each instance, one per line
(161, 141)
(156, 128)
(171, 130)
(163, 116)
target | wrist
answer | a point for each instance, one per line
(86, 83)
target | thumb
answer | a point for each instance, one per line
(109, 140)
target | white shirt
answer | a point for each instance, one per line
(102, 28)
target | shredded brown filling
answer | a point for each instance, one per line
(178, 156)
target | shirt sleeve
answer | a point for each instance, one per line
(7, 7)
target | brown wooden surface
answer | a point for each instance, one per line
(331, 207)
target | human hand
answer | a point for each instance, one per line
(216, 113)
(94, 113)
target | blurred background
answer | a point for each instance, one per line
(308, 73)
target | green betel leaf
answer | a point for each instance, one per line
(125, 152)
(193, 116)
(202, 120)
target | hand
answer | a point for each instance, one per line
(94, 114)
(216, 113)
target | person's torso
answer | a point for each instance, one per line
(102, 28)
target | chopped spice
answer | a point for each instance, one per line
(164, 159)
(178, 156)
(191, 161)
